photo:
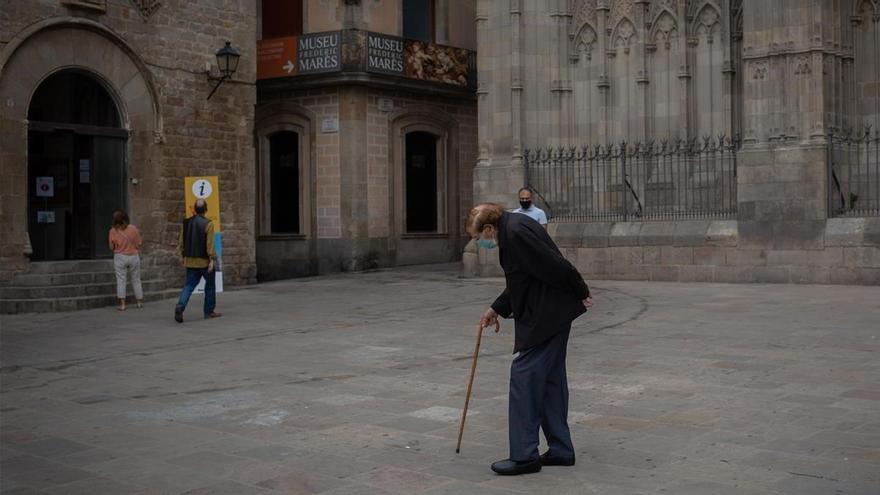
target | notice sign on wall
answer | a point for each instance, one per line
(319, 52)
(385, 54)
(46, 216)
(84, 171)
(277, 58)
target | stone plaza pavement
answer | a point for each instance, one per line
(353, 384)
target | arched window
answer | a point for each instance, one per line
(665, 58)
(73, 98)
(708, 57)
(624, 91)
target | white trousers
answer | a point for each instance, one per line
(123, 263)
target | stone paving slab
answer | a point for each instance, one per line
(353, 385)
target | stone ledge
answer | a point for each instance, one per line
(569, 234)
(596, 234)
(625, 234)
(722, 233)
(849, 232)
(709, 251)
(657, 234)
(691, 233)
(684, 233)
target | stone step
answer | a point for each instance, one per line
(50, 279)
(70, 266)
(19, 306)
(75, 290)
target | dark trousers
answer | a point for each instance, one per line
(539, 398)
(193, 275)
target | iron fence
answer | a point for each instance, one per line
(854, 173)
(655, 180)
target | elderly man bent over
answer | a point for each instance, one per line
(544, 294)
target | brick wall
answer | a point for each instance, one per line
(197, 137)
(379, 151)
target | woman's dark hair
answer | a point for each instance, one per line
(120, 219)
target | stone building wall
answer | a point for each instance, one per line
(358, 219)
(153, 60)
(352, 120)
(782, 75)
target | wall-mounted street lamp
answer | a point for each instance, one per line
(227, 63)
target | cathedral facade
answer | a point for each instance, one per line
(768, 108)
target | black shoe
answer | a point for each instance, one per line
(512, 468)
(547, 460)
(178, 314)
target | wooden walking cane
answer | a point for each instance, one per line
(467, 396)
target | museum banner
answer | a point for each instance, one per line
(353, 50)
(385, 54)
(319, 52)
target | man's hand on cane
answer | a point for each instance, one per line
(489, 318)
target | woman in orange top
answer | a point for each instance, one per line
(125, 241)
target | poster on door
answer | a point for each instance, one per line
(207, 188)
(45, 187)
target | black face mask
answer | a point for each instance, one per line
(525, 205)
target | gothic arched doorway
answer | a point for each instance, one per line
(76, 167)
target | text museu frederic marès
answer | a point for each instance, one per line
(319, 52)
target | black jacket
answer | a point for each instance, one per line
(544, 291)
(195, 239)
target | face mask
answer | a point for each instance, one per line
(486, 243)
(525, 204)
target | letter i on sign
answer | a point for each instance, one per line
(207, 188)
(202, 189)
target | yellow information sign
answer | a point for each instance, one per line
(207, 188)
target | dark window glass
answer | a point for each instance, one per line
(73, 98)
(418, 20)
(282, 18)
(421, 182)
(284, 182)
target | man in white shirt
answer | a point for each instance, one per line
(527, 208)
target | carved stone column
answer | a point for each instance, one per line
(684, 72)
(484, 77)
(516, 85)
(642, 78)
(602, 9)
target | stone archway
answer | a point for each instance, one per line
(286, 254)
(76, 167)
(442, 235)
(32, 56)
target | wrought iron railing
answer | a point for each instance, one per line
(656, 180)
(853, 160)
